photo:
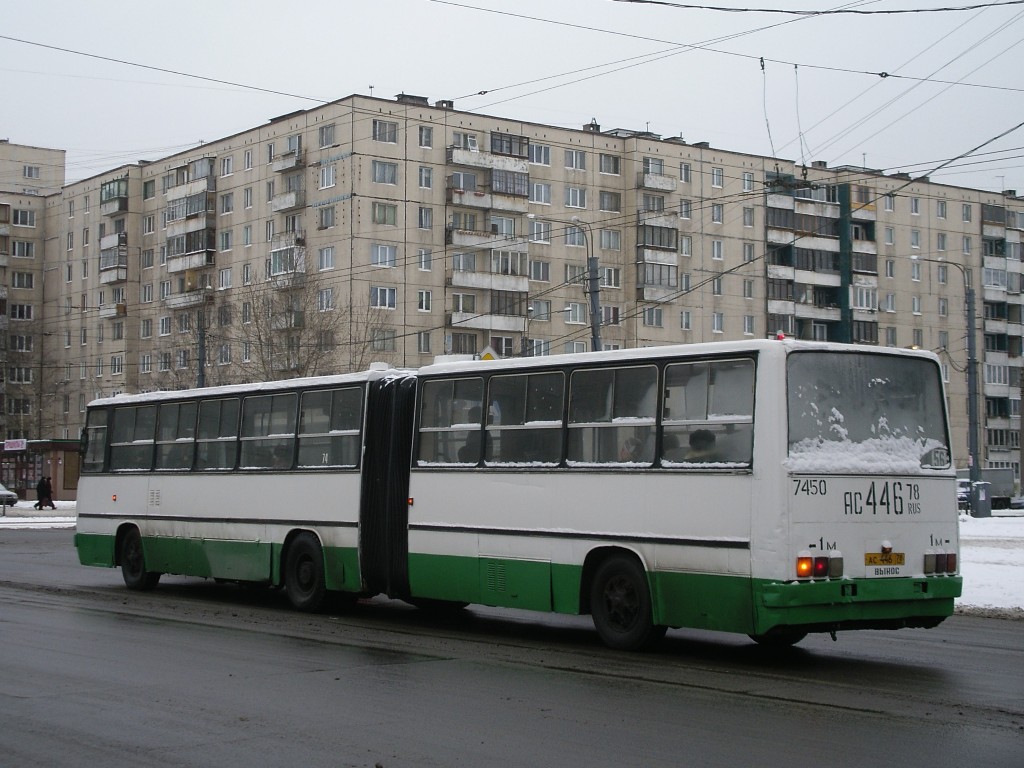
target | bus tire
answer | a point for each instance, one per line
(133, 563)
(783, 639)
(620, 605)
(304, 573)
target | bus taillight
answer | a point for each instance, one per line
(937, 563)
(820, 567)
(804, 566)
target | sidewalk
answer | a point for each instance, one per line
(24, 515)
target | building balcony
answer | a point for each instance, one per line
(288, 201)
(468, 198)
(194, 298)
(467, 157)
(205, 184)
(294, 239)
(659, 293)
(807, 277)
(657, 256)
(489, 281)
(817, 312)
(288, 320)
(113, 310)
(186, 261)
(114, 206)
(657, 219)
(995, 326)
(656, 181)
(115, 240)
(474, 238)
(113, 275)
(780, 307)
(5, 229)
(286, 281)
(192, 223)
(781, 272)
(288, 161)
(481, 322)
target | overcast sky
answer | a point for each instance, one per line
(954, 77)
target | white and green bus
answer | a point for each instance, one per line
(771, 488)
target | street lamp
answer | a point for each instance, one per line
(972, 374)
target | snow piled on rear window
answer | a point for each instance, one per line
(891, 453)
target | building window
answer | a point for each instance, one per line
(383, 340)
(717, 213)
(383, 297)
(384, 173)
(717, 177)
(326, 220)
(612, 201)
(426, 136)
(748, 325)
(717, 322)
(915, 206)
(748, 181)
(540, 193)
(684, 173)
(384, 213)
(576, 159)
(575, 197)
(425, 218)
(325, 299)
(385, 131)
(540, 154)
(685, 320)
(424, 259)
(652, 317)
(748, 217)
(966, 211)
(423, 300)
(611, 239)
(328, 174)
(940, 209)
(717, 249)
(609, 164)
(423, 342)
(426, 177)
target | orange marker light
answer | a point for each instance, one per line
(114, 497)
(804, 567)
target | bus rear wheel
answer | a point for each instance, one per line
(304, 573)
(133, 563)
(620, 604)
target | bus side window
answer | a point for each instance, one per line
(217, 434)
(329, 422)
(132, 439)
(525, 421)
(451, 411)
(612, 415)
(95, 441)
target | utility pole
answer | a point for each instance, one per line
(593, 285)
(972, 388)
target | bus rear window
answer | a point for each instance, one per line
(861, 412)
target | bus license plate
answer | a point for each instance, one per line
(877, 558)
(879, 566)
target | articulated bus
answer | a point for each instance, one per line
(771, 487)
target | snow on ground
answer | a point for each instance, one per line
(991, 555)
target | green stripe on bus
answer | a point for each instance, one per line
(220, 559)
(95, 549)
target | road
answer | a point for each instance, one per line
(197, 673)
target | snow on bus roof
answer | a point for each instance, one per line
(374, 372)
(452, 363)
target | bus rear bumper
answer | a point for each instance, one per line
(828, 606)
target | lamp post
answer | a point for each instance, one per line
(972, 374)
(593, 284)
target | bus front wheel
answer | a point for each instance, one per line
(304, 573)
(133, 563)
(620, 604)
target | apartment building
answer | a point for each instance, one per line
(397, 230)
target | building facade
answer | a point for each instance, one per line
(397, 230)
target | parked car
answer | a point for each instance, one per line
(963, 494)
(8, 498)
